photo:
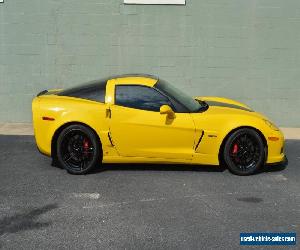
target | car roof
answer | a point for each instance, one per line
(140, 79)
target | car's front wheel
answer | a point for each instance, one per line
(244, 152)
(78, 149)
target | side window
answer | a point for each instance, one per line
(140, 97)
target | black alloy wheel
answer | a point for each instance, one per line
(78, 150)
(244, 152)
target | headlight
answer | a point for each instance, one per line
(271, 125)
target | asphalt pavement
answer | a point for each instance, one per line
(139, 206)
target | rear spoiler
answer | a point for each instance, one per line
(42, 92)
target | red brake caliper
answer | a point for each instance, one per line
(235, 148)
(86, 146)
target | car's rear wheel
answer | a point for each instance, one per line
(78, 149)
(244, 152)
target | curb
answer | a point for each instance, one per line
(16, 129)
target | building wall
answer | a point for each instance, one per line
(246, 50)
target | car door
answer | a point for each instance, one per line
(138, 129)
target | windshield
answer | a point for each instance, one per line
(190, 103)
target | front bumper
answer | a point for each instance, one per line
(282, 163)
(276, 152)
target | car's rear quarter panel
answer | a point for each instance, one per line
(66, 110)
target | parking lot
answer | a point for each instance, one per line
(139, 206)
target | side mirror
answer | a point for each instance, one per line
(166, 109)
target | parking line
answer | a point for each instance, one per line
(93, 196)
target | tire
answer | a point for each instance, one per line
(244, 152)
(78, 149)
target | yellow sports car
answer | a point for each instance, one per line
(143, 119)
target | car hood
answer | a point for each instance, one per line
(223, 102)
(227, 107)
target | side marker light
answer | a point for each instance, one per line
(273, 138)
(46, 118)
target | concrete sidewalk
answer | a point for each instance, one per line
(26, 129)
(16, 129)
